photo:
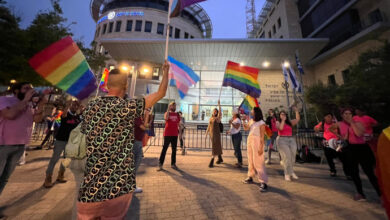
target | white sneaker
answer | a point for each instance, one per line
(138, 190)
(281, 163)
(294, 176)
(287, 177)
(22, 163)
(267, 162)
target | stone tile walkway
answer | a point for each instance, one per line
(198, 192)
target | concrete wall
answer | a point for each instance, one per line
(338, 63)
(287, 11)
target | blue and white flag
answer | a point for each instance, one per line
(285, 74)
(147, 90)
(299, 65)
(294, 81)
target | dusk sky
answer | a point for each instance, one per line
(227, 16)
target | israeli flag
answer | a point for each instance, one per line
(293, 78)
(285, 74)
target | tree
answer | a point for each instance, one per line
(367, 87)
(47, 28)
(95, 60)
(12, 47)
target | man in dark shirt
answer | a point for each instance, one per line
(69, 120)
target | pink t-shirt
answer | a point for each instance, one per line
(327, 134)
(366, 121)
(346, 129)
(18, 130)
(273, 123)
(172, 124)
(287, 130)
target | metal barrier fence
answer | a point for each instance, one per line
(38, 132)
(195, 136)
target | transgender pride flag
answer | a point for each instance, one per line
(181, 76)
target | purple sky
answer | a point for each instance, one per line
(227, 16)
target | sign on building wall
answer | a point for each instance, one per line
(114, 15)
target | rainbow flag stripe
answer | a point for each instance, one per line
(268, 133)
(243, 78)
(64, 65)
(248, 104)
(58, 117)
(103, 81)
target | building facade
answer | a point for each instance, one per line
(352, 27)
(132, 34)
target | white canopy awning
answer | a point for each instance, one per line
(212, 54)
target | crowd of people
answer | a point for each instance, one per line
(116, 129)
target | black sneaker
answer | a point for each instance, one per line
(248, 180)
(263, 187)
(173, 166)
(238, 165)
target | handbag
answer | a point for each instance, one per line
(220, 127)
(344, 143)
(76, 147)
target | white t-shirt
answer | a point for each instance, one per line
(255, 127)
(234, 130)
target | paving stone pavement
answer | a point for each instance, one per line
(198, 192)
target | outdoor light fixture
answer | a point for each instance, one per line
(125, 68)
(242, 64)
(266, 64)
(286, 64)
(12, 81)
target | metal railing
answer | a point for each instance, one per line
(38, 132)
(195, 136)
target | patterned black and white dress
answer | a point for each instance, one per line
(108, 123)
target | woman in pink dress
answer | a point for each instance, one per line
(255, 145)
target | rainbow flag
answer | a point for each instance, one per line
(64, 65)
(179, 5)
(268, 133)
(243, 78)
(103, 80)
(248, 104)
(181, 76)
(58, 117)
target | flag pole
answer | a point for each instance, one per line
(167, 41)
(98, 84)
(303, 93)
